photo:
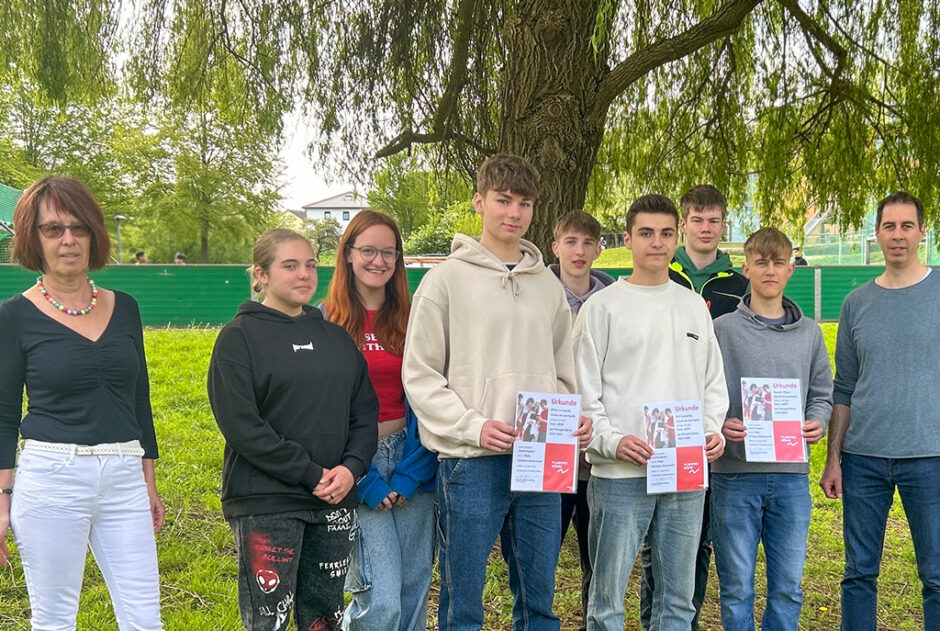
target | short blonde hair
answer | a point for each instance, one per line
(769, 243)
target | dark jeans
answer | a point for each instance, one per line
(702, 561)
(296, 561)
(475, 507)
(868, 485)
(574, 508)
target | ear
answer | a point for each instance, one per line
(260, 276)
(626, 241)
(555, 248)
(478, 203)
(682, 225)
(747, 274)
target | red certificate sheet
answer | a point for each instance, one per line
(772, 412)
(675, 431)
(545, 458)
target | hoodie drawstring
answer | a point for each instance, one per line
(509, 276)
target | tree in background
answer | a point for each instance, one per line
(414, 194)
(181, 151)
(324, 234)
(792, 103)
(436, 235)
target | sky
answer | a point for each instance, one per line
(302, 182)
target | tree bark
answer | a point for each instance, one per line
(557, 90)
(549, 87)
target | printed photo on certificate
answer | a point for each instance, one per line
(545, 458)
(772, 412)
(676, 432)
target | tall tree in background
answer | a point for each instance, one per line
(404, 189)
(793, 103)
(175, 144)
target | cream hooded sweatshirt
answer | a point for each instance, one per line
(478, 334)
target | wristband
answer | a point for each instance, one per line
(6, 491)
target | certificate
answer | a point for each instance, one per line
(772, 412)
(545, 458)
(676, 432)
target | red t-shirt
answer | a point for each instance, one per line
(385, 374)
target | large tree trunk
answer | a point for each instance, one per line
(550, 83)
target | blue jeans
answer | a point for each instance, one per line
(868, 485)
(748, 508)
(622, 514)
(393, 551)
(703, 559)
(476, 506)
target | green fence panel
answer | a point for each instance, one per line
(169, 295)
(838, 281)
(209, 295)
(800, 289)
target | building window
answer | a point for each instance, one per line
(326, 214)
(345, 215)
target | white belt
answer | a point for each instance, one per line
(130, 448)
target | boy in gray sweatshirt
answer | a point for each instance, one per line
(767, 338)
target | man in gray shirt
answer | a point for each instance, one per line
(885, 428)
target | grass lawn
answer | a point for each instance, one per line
(197, 557)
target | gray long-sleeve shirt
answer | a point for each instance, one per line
(887, 369)
(753, 348)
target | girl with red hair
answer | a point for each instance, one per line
(390, 567)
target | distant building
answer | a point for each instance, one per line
(342, 208)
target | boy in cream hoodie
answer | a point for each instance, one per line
(488, 322)
(644, 339)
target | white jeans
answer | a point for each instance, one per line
(62, 503)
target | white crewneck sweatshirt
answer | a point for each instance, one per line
(638, 344)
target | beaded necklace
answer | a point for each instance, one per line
(58, 305)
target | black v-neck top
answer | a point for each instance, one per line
(79, 391)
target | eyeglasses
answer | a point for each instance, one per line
(56, 230)
(368, 253)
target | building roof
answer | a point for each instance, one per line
(350, 200)
(8, 198)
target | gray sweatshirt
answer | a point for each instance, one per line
(887, 363)
(752, 348)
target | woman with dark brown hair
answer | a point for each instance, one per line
(85, 475)
(390, 568)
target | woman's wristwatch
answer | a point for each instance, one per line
(6, 491)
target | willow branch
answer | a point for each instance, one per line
(724, 22)
(455, 84)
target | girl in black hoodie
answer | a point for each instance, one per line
(292, 397)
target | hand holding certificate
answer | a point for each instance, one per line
(675, 431)
(545, 458)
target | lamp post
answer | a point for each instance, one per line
(117, 220)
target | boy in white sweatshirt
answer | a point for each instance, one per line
(485, 324)
(645, 339)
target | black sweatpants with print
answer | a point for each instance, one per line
(293, 561)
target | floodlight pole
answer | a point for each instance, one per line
(117, 220)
